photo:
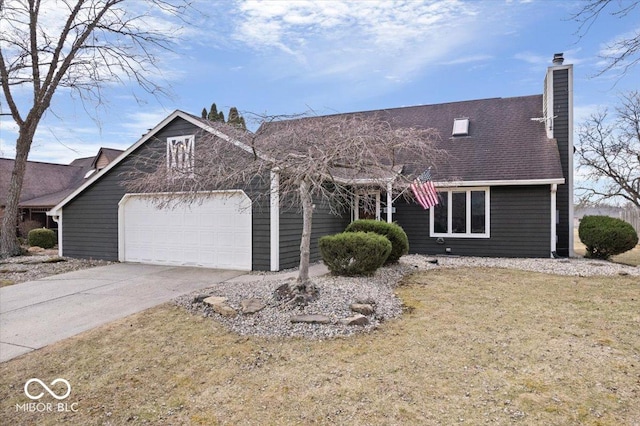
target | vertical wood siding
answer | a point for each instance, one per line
(520, 226)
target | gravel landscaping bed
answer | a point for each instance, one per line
(14, 270)
(578, 267)
(336, 294)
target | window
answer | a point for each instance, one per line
(462, 212)
(460, 127)
(180, 154)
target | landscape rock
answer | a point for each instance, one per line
(215, 300)
(35, 249)
(357, 319)
(224, 310)
(251, 306)
(311, 319)
(362, 308)
(219, 305)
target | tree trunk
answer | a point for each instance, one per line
(305, 240)
(9, 245)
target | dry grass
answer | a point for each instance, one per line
(632, 257)
(475, 346)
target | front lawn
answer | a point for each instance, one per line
(475, 346)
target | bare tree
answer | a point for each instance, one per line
(316, 160)
(79, 45)
(623, 52)
(609, 153)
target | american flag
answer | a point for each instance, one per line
(424, 191)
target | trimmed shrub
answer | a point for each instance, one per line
(354, 253)
(42, 237)
(393, 232)
(606, 236)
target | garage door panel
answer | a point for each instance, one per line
(215, 232)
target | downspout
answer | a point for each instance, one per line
(274, 217)
(554, 220)
(571, 150)
(58, 219)
(389, 202)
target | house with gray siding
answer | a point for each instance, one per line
(505, 190)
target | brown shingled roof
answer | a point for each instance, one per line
(39, 179)
(503, 142)
(46, 184)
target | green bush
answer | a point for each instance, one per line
(606, 236)
(393, 232)
(354, 253)
(42, 237)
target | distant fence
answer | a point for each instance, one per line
(633, 217)
(628, 214)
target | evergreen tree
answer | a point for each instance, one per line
(234, 116)
(204, 113)
(221, 117)
(235, 119)
(213, 113)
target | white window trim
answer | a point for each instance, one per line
(189, 168)
(355, 208)
(487, 209)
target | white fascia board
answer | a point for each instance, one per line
(55, 211)
(458, 183)
(363, 181)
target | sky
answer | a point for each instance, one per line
(289, 57)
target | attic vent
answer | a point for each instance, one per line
(460, 127)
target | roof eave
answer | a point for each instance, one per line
(56, 210)
(505, 182)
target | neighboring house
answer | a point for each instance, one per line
(47, 184)
(505, 191)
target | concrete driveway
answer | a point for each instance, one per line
(37, 313)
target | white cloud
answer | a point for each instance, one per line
(583, 112)
(8, 135)
(468, 59)
(348, 39)
(533, 58)
(140, 121)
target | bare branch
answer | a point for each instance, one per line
(609, 152)
(326, 159)
(83, 45)
(623, 53)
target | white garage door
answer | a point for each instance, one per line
(214, 232)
